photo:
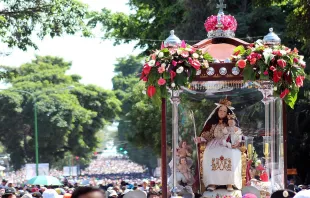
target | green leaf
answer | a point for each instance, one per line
(291, 98)
(208, 57)
(240, 48)
(248, 73)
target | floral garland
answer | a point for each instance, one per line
(279, 64)
(172, 67)
(177, 67)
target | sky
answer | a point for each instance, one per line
(92, 58)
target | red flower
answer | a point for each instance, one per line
(281, 63)
(300, 81)
(259, 56)
(161, 81)
(151, 90)
(277, 75)
(145, 79)
(266, 73)
(194, 63)
(284, 93)
(252, 45)
(172, 75)
(157, 64)
(253, 61)
(146, 69)
(241, 63)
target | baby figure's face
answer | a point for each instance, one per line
(231, 122)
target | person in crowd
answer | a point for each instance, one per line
(88, 192)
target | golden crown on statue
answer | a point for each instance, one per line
(225, 102)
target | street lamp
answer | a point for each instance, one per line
(36, 121)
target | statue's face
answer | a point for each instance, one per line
(183, 144)
(183, 161)
(222, 112)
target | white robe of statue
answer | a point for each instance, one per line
(221, 163)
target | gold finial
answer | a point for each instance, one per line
(225, 102)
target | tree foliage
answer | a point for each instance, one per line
(20, 20)
(68, 120)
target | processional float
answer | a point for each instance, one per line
(240, 144)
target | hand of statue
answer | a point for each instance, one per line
(199, 140)
(237, 145)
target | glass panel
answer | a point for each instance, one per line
(257, 126)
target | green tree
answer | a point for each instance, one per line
(21, 20)
(67, 120)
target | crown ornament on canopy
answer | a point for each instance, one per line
(221, 25)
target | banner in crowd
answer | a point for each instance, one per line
(70, 171)
(31, 170)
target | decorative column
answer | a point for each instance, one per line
(175, 100)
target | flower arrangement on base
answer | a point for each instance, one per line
(278, 64)
(173, 68)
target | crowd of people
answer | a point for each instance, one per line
(112, 165)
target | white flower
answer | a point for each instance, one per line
(172, 84)
(188, 49)
(157, 52)
(179, 51)
(285, 193)
(206, 63)
(151, 63)
(301, 58)
(144, 92)
(201, 56)
(180, 70)
(160, 54)
(163, 65)
(195, 55)
(283, 52)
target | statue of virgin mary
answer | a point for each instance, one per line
(220, 158)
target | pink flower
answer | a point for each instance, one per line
(194, 63)
(183, 44)
(161, 81)
(241, 63)
(162, 46)
(284, 93)
(300, 81)
(295, 60)
(281, 63)
(259, 56)
(172, 51)
(161, 70)
(174, 63)
(266, 73)
(253, 61)
(272, 68)
(185, 54)
(172, 75)
(157, 64)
